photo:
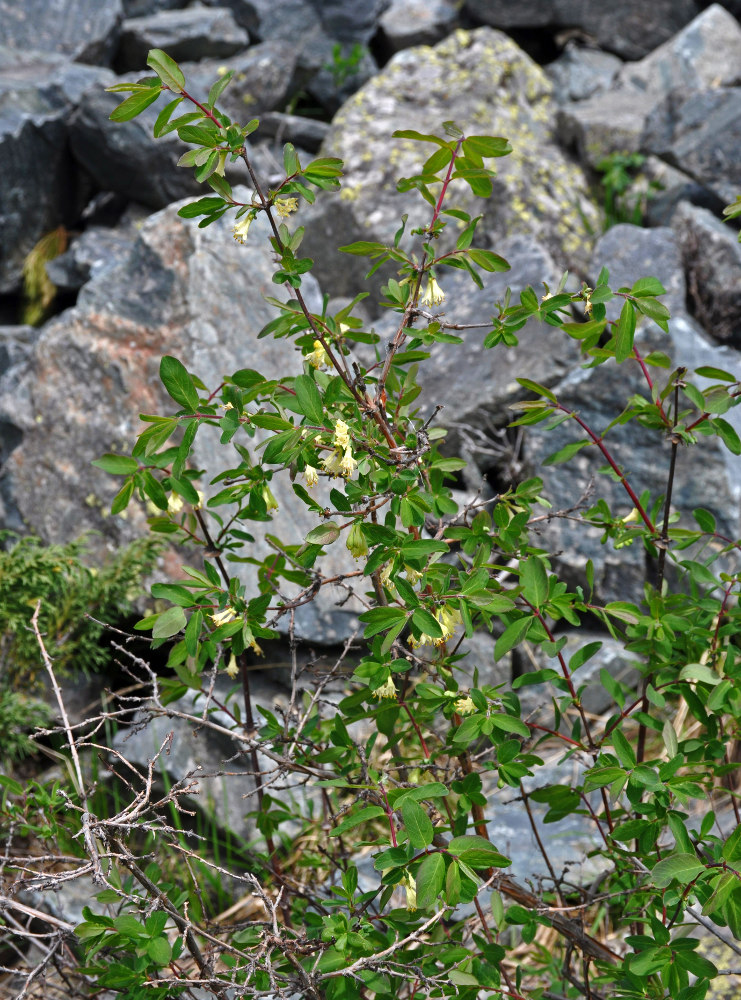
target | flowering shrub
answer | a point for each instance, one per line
(390, 884)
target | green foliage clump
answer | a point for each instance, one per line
(625, 191)
(69, 591)
(19, 716)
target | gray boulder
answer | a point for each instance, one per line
(701, 136)
(265, 77)
(192, 34)
(630, 29)
(83, 30)
(40, 189)
(581, 72)
(94, 251)
(712, 258)
(498, 91)
(125, 157)
(705, 54)
(417, 22)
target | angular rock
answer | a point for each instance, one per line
(666, 187)
(265, 77)
(498, 91)
(417, 22)
(308, 133)
(630, 29)
(630, 253)
(142, 8)
(186, 35)
(83, 30)
(348, 21)
(94, 251)
(712, 257)
(189, 292)
(125, 157)
(705, 54)
(700, 136)
(582, 72)
(40, 188)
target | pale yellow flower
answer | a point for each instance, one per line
(410, 885)
(201, 500)
(232, 668)
(341, 437)
(284, 206)
(386, 690)
(311, 476)
(318, 357)
(449, 619)
(241, 227)
(464, 706)
(270, 502)
(222, 617)
(356, 542)
(385, 573)
(412, 575)
(174, 504)
(434, 294)
(348, 463)
(332, 464)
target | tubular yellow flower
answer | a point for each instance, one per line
(434, 294)
(410, 885)
(174, 504)
(241, 227)
(347, 463)
(449, 619)
(464, 706)
(270, 502)
(201, 500)
(356, 542)
(341, 437)
(311, 476)
(386, 690)
(333, 464)
(222, 617)
(318, 357)
(232, 668)
(284, 206)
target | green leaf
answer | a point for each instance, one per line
(566, 453)
(512, 635)
(179, 383)
(135, 104)
(487, 260)
(417, 824)
(655, 310)
(121, 500)
(164, 116)
(732, 847)
(308, 399)
(477, 852)
(647, 286)
(116, 465)
(323, 534)
(626, 329)
(219, 87)
(728, 435)
(425, 622)
(379, 619)
(534, 581)
(486, 145)
(682, 868)
(623, 749)
(430, 878)
(159, 950)
(581, 656)
(356, 819)
(699, 672)
(707, 371)
(167, 70)
(169, 623)
(509, 724)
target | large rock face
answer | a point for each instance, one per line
(84, 30)
(631, 28)
(40, 189)
(484, 83)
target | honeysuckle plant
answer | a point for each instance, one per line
(393, 886)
